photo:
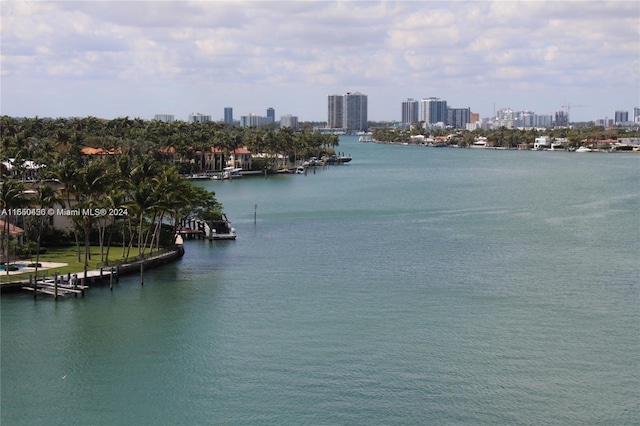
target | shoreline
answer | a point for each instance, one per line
(174, 253)
(499, 148)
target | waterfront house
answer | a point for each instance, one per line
(89, 151)
(14, 231)
(213, 160)
(240, 158)
(542, 142)
(27, 170)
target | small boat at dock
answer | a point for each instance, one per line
(338, 159)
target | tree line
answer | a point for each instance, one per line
(136, 181)
(189, 141)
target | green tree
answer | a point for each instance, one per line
(12, 196)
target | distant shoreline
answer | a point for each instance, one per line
(501, 148)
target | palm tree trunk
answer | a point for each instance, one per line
(140, 250)
(38, 247)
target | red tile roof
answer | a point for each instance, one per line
(12, 228)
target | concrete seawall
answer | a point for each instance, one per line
(173, 254)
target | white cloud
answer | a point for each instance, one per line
(297, 52)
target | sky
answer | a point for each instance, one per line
(113, 59)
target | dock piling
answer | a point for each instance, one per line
(32, 283)
(55, 286)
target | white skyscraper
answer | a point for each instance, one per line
(199, 118)
(289, 121)
(433, 110)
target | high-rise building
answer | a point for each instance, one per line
(409, 111)
(228, 115)
(562, 119)
(458, 118)
(271, 115)
(355, 112)
(605, 122)
(621, 117)
(433, 110)
(251, 120)
(289, 121)
(336, 112)
(167, 118)
(636, 115)
(348, 112)
(199, 118)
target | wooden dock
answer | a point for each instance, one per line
(56, 291)
(64, 285)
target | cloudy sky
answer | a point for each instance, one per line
(114, 58)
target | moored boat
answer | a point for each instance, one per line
(338, 159)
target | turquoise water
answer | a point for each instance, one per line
(410, 286)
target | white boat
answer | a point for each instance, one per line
(231, 173)
(584, 149)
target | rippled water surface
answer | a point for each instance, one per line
(410, 286)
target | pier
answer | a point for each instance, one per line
(70, 284)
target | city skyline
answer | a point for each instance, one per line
(139, 59)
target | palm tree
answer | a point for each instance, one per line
(91, 187)
(142, 194)
(46, 197)
(68, 175)
(173, 193)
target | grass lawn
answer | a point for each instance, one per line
(67, 255)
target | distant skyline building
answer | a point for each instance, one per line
(433, 110)
(410, 111)
(621, 117)
(533, 120)
(271, 115)
(604, 122)
(458, 118)
(228, 115)
(167, 118)
(636, 115)
(355, 112)
(251, 120)
(335, 111)
(193, 118)
(562, 119)
(290, 121)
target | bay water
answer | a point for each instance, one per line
(410, 286)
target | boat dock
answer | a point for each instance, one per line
(214, 230)
(64, 285)
(60, 290)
